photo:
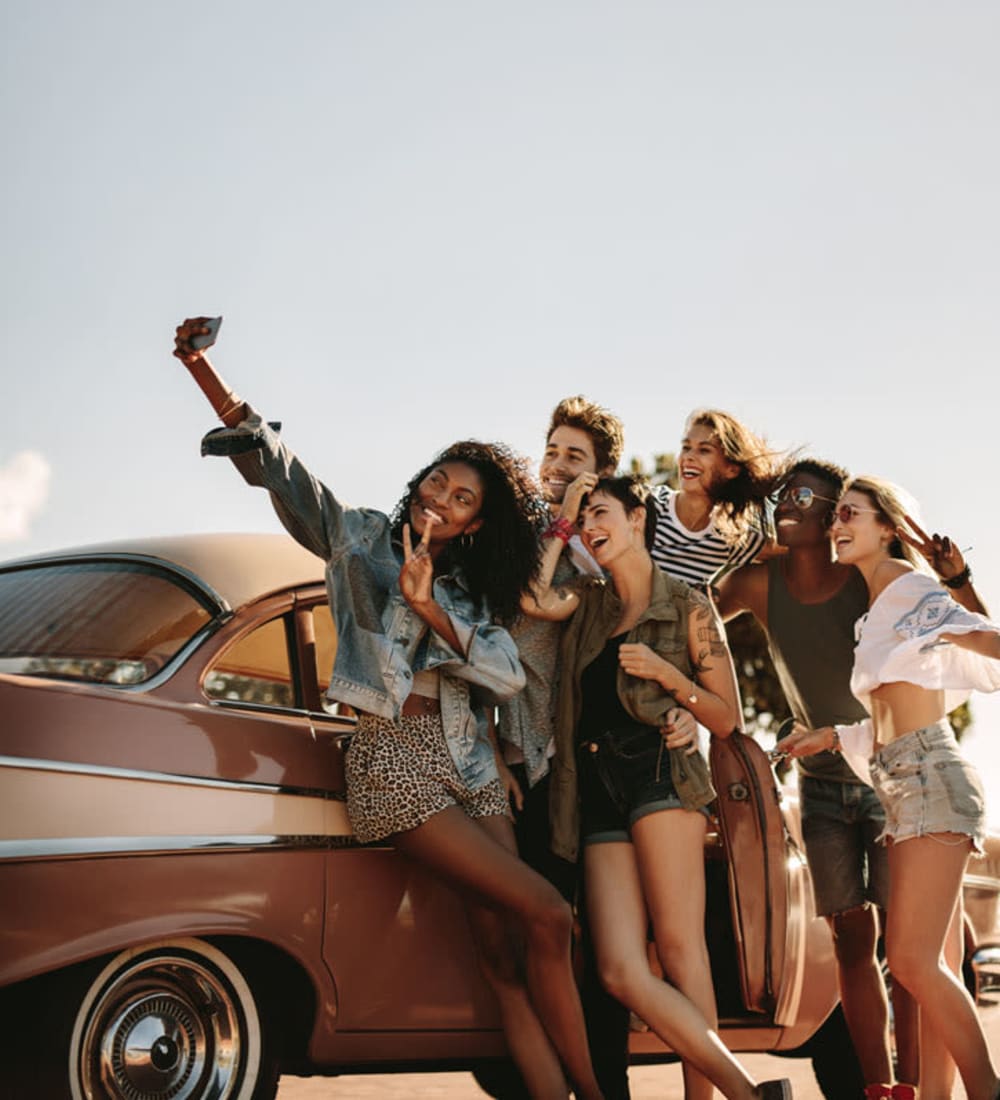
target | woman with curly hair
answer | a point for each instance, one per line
(718, 519)
(420, 602)
(637, 644)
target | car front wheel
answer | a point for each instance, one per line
(171, 1020)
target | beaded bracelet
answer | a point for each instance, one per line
(559, 528)
(959, 579)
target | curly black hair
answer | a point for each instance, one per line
(835, 476)
(502, 558)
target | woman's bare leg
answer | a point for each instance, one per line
(937, 1067)
(479, 857)
(617, 914)
(924, 882)
(670, 849)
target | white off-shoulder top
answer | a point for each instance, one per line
(899, 639)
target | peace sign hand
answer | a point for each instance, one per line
(416, 576)
(940, 553)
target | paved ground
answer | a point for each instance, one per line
(647, 1082)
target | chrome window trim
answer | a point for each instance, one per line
(110, 846)
(219, 619)
(106, 771)
(192, 580)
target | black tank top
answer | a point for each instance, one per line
(601, 708)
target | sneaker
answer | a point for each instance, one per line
(774, 1090)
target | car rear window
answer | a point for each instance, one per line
(103, 622)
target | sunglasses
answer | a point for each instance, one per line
(846, 512)
(801, 496)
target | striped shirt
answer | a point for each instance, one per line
(697, 557)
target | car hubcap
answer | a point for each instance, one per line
(163, 1029)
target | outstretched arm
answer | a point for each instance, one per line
(745, 589)
(309, 511)
(984, 642)
(230, 408)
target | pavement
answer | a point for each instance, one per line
(646, 1082)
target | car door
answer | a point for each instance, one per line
(395, 938)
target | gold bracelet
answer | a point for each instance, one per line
(232, 403)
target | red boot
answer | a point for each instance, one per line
(904, 1092)
(879, 1092)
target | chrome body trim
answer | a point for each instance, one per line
(85, 847)
(72, 768)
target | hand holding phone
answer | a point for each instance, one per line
(207, 339)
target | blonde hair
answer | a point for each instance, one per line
(894, 504)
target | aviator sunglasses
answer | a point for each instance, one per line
(802, 497)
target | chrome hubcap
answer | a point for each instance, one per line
(164, 1028)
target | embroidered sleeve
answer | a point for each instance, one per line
(932, 611)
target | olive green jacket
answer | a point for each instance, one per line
(663, 626)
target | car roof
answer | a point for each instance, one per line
(231, 568)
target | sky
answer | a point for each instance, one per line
(425, 221)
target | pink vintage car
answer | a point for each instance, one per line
(185, 914)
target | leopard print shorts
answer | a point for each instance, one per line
(400, 774)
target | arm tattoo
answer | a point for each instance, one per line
(710, 641)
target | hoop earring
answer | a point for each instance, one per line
(466, 541)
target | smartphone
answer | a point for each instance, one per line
(206, 340)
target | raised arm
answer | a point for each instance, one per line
(545, 600)
(230, 408)
(947, 561)
(306, 507)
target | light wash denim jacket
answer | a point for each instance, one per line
(378, 635)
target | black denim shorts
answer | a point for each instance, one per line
(624, 774)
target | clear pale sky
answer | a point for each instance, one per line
(429, 220)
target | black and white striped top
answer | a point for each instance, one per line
(697, 557)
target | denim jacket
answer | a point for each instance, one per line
(381, 641)
(663, 626)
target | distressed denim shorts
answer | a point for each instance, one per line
(841, 826)
(624, 775)
(926, 788)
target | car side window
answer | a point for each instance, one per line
(256, 668)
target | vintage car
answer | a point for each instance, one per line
(185, 912)
(981, 896)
